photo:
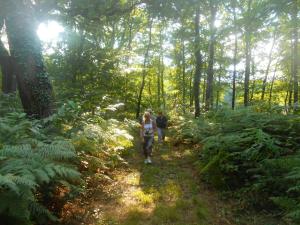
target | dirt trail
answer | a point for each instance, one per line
(167, 192)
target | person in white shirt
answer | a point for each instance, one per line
(148, 127)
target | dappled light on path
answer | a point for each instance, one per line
(165, 192)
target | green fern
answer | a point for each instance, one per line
(24, 169)
(253, 152)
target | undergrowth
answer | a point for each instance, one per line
(251, 153)
(44, 163)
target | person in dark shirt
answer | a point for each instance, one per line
(161, 123)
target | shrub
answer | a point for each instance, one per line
(254, 153)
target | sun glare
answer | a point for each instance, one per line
(49, 32)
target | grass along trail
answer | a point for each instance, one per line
(165, 192)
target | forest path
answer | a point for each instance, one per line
(165, 192)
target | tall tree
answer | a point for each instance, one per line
(210, 71)
(183, 67)
(254, 80)
(198, 57)
(161, 70)
(295, 58)
(268, 66)
(144, 72)
(33, 83)
(272, 85)
(247, 53)
(234, 55)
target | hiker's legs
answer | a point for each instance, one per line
(145, 146)
(148, 146)
(163, 133)
(160, 134)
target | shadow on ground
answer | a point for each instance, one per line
(165, 192)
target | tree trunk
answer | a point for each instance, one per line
(272, 84)
(285, 101)
(198, 57)
(162, 69)
(33, 84)
(183, 75)
(204, 88)
(158, 83)
(218, 90)
(129, 48)
(254, 81)
(234, 57)
(290, 95)
(191, 90)
(144, 72)
(219, 78)
(248, 55)
(268, 68)
(210, 71)
(295, 53)
(149, 87)
(162, 83)
(9, 83)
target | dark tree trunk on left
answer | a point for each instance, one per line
(9, 84)
(33, 83)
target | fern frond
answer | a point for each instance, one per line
(6, 181)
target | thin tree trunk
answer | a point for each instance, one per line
(219, 78)
(210, 71)
(149, 86)
(144, 72)
(248, 56)
(162, 68)
(159, 84)
(272, 84)
(218, 90)
(234, 57)
(295, 53)
(33, 84)
(254, 81)
(285, 101)
(204, 89)
(129, 47)
(162, 83)
(191, 90)
(290, 95)
(183, 75)
(198, 57)
(268, 68)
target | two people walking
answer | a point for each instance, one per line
(149, 126)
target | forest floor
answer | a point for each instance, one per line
(167, 192)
